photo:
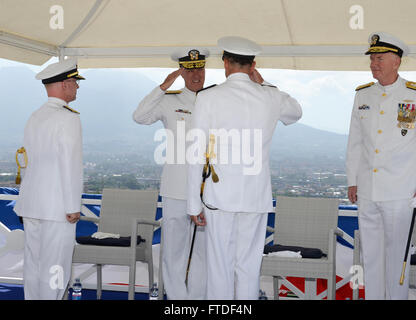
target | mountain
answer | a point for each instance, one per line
(301, 141)
(20, 95)
(106, 101)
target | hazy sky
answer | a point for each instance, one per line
(326, 97)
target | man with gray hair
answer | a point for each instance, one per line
(381, 155)
(175, 108)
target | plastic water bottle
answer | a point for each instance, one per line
(154, 292)
(76, 290)
(262, 295)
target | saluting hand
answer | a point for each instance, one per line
(256, 76)
(170, 79)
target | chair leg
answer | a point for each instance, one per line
(356, 262)
(331, 288)
(310, 289)
(132, 280)
(160, 275)
(99, 281)
(161, 287)
(151, 276)
(65, 296)
(276, 287)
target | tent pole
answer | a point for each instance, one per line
(61, 54)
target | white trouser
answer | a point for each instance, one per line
(177, 232)
(48, 253)
(384, 229)
(234, 244)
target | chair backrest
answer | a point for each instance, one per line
(119, 207)
(305, 222)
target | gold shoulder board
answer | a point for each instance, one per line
(411, 85)
(364, 86)
(173, 91)
(70, 109)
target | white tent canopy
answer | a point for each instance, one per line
(294, 34)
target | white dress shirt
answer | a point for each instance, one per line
(175, 111)
(248, 110)
(381, 156)
(53, 180)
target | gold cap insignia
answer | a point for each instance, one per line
(374, 39)
(193, 60)
(193, 54)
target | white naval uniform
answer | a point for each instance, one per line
(51, 188)
(380, 162)
(236, 231)
(175, 111)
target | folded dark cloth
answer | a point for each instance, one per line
(312, 253)
(116, 242)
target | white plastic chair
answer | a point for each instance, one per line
(128, 213)
(309, 223)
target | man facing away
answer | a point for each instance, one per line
(50, 194)
(237, 119)
(175, 109)
(381, 155)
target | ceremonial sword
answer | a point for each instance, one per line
(206, 172)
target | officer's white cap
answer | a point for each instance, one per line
(190, 58)
(381, 42)
(239, 46)
(60, 71)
